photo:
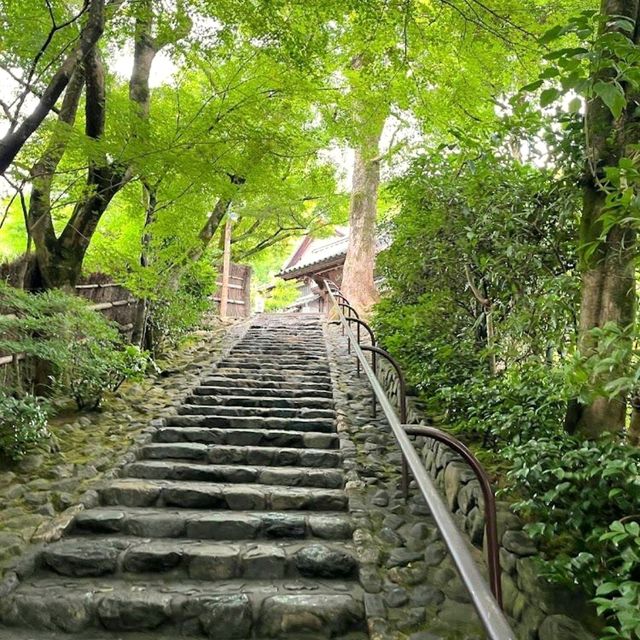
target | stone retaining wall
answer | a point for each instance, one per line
(540, 610)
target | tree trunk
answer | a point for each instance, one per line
(139, 332)
(39, 221)
(59, 260)
(13, 142)
(608, 272)
(358, 283)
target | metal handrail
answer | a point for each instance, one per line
(361, 323)
(351, 310)
(402, 402)
(490, 518)
(489, 611)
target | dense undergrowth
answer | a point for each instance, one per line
(66, 351)
(481, 292)
(63, 349)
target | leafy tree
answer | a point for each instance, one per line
(49, 52)
(480, 276)
(284, 293)
(597, 58)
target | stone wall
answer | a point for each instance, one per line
(538, 609)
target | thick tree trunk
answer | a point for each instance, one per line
(39, 220)
(358, 283)
(61, 265)
(59, 260)
(608, 271)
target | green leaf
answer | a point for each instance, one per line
(548, 96)
(575, 105)
(622, 24)
(606, 588)
(550, 72)
(552, 34)
(532, 86)
(612, 95)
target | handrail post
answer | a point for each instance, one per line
(358, 337)
(402, 404)
(375, 373)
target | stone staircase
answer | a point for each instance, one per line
(232, 524)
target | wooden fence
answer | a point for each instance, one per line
(239, 297)
(117, 304)
(112, 300)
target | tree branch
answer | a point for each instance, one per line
(13, 142)
(33, 90)
(476, 292)
(54, 29)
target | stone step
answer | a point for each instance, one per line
(270, 366)
(133, 492)
(279, 401)
(273, 375)
(292, 609)
(278, 351)
(248, 437)
(224, 454)
(324, 425)
(288, 334)
(312, 344)
(285, 355)
(273, 360)
(258, 412)
(288, 331)
(282, 362)
(236, 474)
(214, 525)
(303, 342)
(94, 556)
(7, 633)
(245, 386)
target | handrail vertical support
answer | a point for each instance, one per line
(375, 373)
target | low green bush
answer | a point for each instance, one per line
(618, 594)
(582, 500)
(23, 424)
(77, 352)
(174, 311)
(97, 367)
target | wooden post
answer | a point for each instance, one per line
(226, 262)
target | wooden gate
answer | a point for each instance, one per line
(239, 296)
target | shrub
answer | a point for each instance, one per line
(96, 367)
(78, 352)
(23, 424)
(512, 407)
(581, 496)
(618, 595)
(174, 311)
